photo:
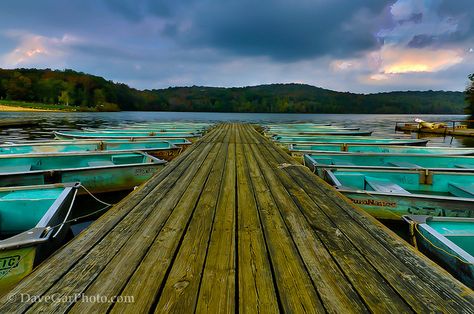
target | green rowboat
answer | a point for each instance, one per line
(449, 241)
(390, 194)
(27, 213)
(300, 149)
(97, 171)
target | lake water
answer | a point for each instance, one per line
(382, 125)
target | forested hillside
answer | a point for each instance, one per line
(84, 91)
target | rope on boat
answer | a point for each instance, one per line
(67, 214)
(286, 165)
(65, 221)
(93, 196)
(441, 249)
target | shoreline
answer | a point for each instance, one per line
(13, 108)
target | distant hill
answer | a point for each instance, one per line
(86, 91)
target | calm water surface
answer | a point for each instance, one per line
(382, 125)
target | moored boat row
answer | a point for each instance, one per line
(432, 188)
(36, 193)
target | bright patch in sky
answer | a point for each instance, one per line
(395, 60)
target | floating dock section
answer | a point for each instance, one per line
(453, 130)
(234, 224)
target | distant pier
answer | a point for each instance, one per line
(234, 224)
(451, 129)
(8, 123)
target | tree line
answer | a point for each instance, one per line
(470, 98)
(84, 91)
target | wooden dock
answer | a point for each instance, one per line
(234, 224)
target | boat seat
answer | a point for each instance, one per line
(100, 163)
(11, 169)
(464, 166)
(344, 163)
(403, 164)
(385, 186)
(461, 190)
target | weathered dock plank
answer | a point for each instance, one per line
(234, 224)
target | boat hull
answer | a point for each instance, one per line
(21, 252)
(451, 249)
(298, 150)
(15, 264)
(390, 206)
(99, 172)
(309, 140)
(129, 136)
(162, 150)
(390, 161)
(389, 194)
(322, 132)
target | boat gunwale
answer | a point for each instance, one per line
(335, 133)
(315, 164)
(90, 130)
(39, 234)
(400, 142)
(110, 136)
(155, 162)
(334, 181)
(111, 141)
(469, 153)
(89, 152)
(444, 240)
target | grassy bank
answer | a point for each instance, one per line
(33, 106)
(37, 106)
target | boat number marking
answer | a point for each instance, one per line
(9, 262)
(371, 202)
(144, 171)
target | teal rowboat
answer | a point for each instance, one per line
(160, 149)
(295, 125)
(390, 194)
(318, 132)
(147, 130)
(169, 125)
(449, 241)
(366, 140)
(301, 149)
(305, 129)
(390, 161)
(97, 171)
(124, 135)
(27, 215)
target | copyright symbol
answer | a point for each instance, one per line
(12, 297)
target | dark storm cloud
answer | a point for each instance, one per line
(284, 29)
(421, 41)
(157, 43)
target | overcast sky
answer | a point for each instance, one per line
(345, 45)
